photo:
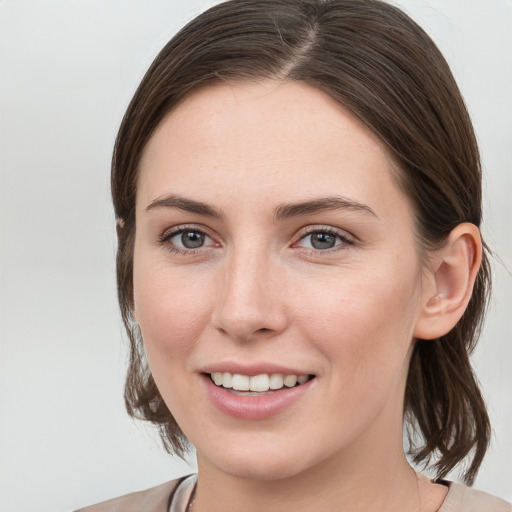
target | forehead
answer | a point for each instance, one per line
(278, 138)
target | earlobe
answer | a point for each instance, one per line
(451, 281)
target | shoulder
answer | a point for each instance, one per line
(155, 499)
(461, 498)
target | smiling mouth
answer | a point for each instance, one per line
(257, 385)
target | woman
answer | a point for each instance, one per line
(297, 188)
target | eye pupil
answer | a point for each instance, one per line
(192, 239)
(323, 240)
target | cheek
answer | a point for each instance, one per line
(172, 313)
(362, 322)
(171, 310)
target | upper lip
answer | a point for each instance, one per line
(252, 369)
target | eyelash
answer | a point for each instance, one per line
(346, 240)
(168, 235)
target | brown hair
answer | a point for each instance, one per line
(376, 61)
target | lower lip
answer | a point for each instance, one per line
(254, 407)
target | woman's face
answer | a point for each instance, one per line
(272, 241)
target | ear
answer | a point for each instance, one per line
(449, 281)
(119, 226)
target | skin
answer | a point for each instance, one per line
(258, 291)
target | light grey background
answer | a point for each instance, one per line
(67, 72)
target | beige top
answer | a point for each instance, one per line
(174, 496)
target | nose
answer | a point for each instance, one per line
(251, 295)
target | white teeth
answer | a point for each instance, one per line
(257, 383)
(290, 381)
(227, 380)
(302, 378)
(217, 378)
(276, 381)
(240, 382)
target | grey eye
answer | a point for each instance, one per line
(190, 239)
(322, 240)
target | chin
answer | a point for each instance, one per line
(259, 461)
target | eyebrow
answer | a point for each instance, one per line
(323, 204)
(188, 205)
(282, 212)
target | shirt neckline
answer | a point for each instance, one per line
(183, 492)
